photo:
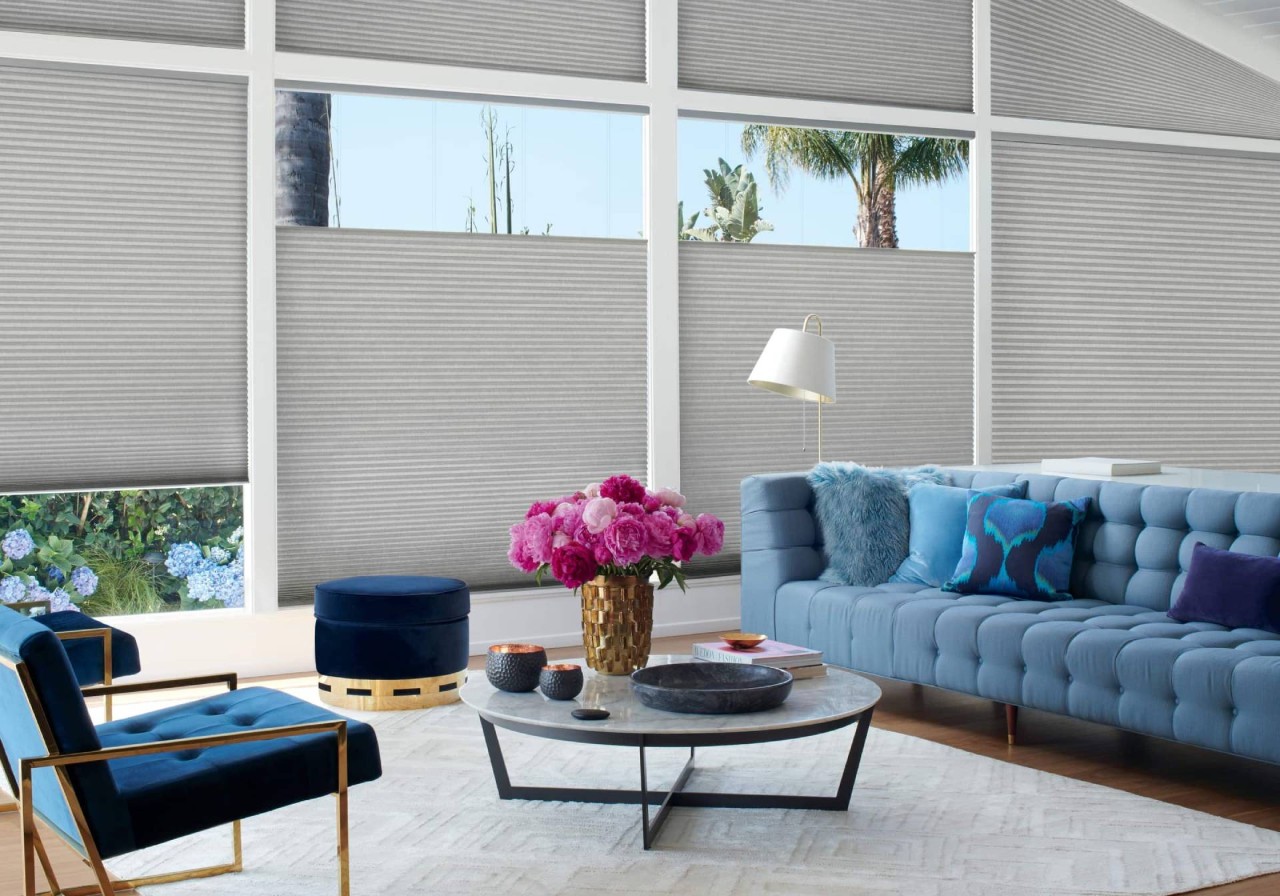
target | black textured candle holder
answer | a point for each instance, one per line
(514, 667)
(561, 682)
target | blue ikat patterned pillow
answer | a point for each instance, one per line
(1019, 548)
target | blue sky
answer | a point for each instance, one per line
(413, 164)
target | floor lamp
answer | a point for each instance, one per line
(801, 365)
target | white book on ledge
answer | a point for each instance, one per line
(1099, 466)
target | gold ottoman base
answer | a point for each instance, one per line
(378, 695)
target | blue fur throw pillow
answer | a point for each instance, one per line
(865, 518)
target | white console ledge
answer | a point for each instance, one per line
(1182, 477)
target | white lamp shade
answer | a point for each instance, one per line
(799, 365)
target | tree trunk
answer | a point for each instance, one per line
(887, 216)
(302, 158)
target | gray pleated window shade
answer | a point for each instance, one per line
(1136, 306)
(431, 386)
(218, 23)
(867, 51)
(1102, 62)
(561, 37)
(902, 324)
(122, 280)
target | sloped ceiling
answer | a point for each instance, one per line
(1258, 18)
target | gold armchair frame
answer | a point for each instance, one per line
(32, 846)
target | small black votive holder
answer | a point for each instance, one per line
(514, 667)
(562, 681)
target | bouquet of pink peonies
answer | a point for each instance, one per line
(614, 528)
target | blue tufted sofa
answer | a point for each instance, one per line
(1111, 655)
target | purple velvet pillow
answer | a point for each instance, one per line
(1231, 589)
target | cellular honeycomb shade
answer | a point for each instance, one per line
(902, 324)
(561, 37)
(432, 385)
(218, 23)
(1134, 307)
(1102, 62)
(869, 51)
(122, 280)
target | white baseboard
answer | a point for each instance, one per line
(174, 645)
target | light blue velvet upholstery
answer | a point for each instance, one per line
(1110, 655)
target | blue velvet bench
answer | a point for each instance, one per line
(391, 642)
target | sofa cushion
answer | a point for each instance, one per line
(1231, 589)
(170, 795)
(937, 525)
(864, 518)
(1020, 548)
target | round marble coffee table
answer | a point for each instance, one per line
(815, 706)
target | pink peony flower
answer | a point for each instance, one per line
(661, 528)
(573, 564)
(710, 534)
(559, 540)
(598, 514)
(673, 512)
(519, 554)
(568, 518)
(670, 497)
(592, 490)
(686, 519)
(537, 533)
(651, 503)
(631, 509)
(684, 543)
(602, 554)
(540, 507)
(626, 539)
(622, 488)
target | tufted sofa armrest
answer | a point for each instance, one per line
(780, 543)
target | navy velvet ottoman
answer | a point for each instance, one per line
(391, 642)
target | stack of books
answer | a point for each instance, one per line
(801, 662)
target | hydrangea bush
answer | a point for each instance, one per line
(213, 575)
(43, 569)
(617, 527)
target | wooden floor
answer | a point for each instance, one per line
(1219, 785)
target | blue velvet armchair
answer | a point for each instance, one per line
(98, 652)
(137, 782)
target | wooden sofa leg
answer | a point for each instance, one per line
(1011, 722)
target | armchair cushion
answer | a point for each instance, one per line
(86, 654)
(169, 795)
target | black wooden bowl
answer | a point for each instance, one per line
(711, 687)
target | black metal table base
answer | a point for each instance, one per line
(645, 797)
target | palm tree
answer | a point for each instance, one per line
(303, 154)
(877, 164)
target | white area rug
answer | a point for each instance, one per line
(926, 820)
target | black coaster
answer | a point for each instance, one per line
(591, 715)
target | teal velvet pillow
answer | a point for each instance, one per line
(864, 518)
(938, 516)
(1020, 548)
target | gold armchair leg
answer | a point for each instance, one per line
(45, 864)
(344, 842)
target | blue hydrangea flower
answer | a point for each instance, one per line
(219, 555)
(12, 590)
(36, 591)
(184, 559)
(56, 575)
(236, 535)
(200, 586)
(17, 544)
(60, 601)
(84, 580)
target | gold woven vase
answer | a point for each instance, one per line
(617, 623)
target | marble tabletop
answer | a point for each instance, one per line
(838, 695)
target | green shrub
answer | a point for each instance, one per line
(125, 587)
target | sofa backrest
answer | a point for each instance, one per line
(1135, 545)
